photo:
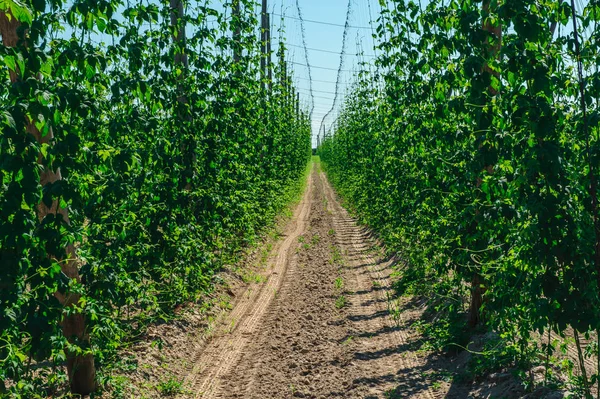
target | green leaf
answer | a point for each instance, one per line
(10, 62)
(17, 10)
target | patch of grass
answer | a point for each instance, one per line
(448, 332)
(331, 232)
(264, 255)
(225, 303)
(231, 326)
(252, 277)
(170, 387)
(336, 256)
(497, 354)
(338, 283)
(394, 309)
(395, 393)
(315, 239)
(304, 244)
(157, 343)
(275, 234)
(341, 301)
(288, 213)
(119, 386)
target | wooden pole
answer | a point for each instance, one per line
(178, 22)
(269, 52)
(263, 43)
(80, 368)
(237, 32)
(181, 62)
(493, 47)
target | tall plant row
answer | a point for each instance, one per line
(473, 151)
(139, 153)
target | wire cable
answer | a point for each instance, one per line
(340, 69)
(333, 24)
(312, 97)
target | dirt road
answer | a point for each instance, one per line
(319, 326)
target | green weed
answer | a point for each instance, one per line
(170, 387)
(338, 284)
(336, 256)
(316, 238)
(341, 302)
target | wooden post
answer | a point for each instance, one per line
(80, 368)
(263, 43)
(237, 32)
(284, 72)
(318, 137)
(269, 52)
(178, 23)
(181, 61)
(592, 188)
(493, 47)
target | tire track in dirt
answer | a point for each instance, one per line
(390, 352)
(223, 349)
(300, 349)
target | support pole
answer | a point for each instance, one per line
(263, 43)
(237, 32)
(81, 368)
(177, 21)
(269, 52)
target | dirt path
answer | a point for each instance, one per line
(225, 347)
(320, 326)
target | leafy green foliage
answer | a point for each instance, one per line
(168, 171)
(471, 163)
(17, 10)
(170, 387)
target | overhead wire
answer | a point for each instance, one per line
(306, 58)
(320, 67)
(304, 70)
(332, 24)
(319, 91)
(334, 52)
(340, 69)
(320, 81)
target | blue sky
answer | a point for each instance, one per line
(324, 22)
(324, 43)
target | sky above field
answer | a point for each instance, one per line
(324, 42)
(323, 22)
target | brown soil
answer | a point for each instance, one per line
(319, 321)
(320, 328)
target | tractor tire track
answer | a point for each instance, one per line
(237, 329)
(373, 285)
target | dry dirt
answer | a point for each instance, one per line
(315, 323)
(327, 332)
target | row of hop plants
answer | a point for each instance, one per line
(140, 150)
(472, 148)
